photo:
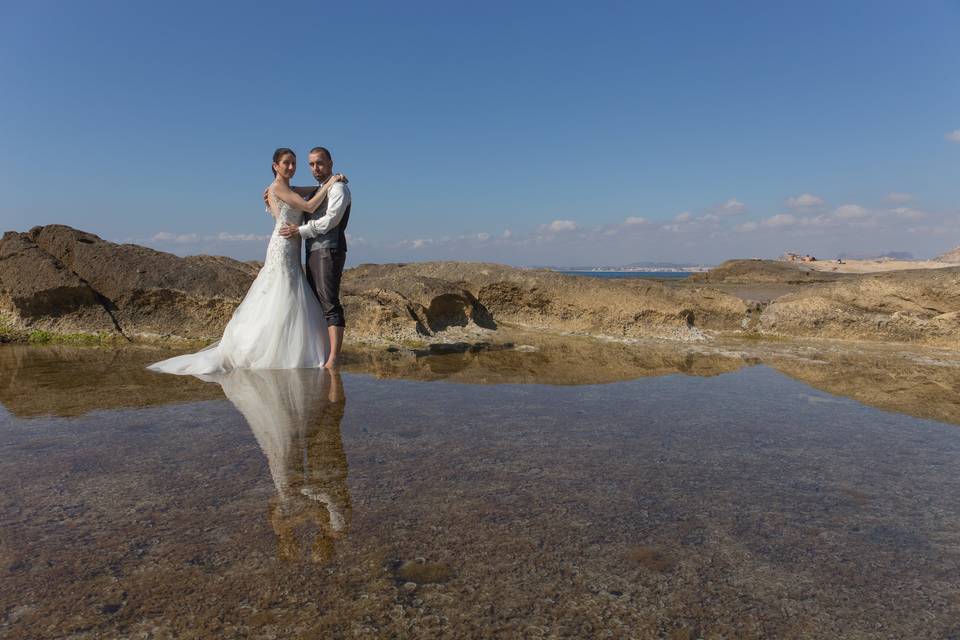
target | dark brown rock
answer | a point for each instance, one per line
(91, 285)
(39, 291)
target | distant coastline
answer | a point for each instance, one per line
(633, 273)
(637, 270)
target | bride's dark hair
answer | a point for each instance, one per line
(279, 153)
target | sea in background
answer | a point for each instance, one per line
(674, 275)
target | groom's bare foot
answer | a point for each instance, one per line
(332, 363)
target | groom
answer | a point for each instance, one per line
(325, 233)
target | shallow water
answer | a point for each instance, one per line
(691, 495)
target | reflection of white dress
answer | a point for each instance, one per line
(279, 324)
(298, 428)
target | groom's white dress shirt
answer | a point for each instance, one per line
(338, 198)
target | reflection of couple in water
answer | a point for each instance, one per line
(295, 416)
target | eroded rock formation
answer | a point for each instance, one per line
(63, 280)
(921, 306)
(764, 271)
(439, 295)
(60, 279)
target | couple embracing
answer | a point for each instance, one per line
(288, 319)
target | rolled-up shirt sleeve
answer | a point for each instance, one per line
(337, 201)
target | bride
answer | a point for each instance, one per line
(279, 324)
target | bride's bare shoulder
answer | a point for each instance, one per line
(283, 193)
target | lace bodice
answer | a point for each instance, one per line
(287, 213)
(283, 252)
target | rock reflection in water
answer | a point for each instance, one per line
(70, 381)
(545, 359)
(63, 380)
(295, 416)
(902, 382)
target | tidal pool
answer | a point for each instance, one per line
(678, 495)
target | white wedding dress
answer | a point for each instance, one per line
(278, 325)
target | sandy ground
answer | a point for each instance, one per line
(875, 266)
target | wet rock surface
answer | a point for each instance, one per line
(70, 381)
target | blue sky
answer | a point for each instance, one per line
(526, 133)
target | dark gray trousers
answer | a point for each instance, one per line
(324, 272)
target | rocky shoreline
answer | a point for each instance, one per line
(61, 284)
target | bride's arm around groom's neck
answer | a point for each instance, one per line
(304, 192)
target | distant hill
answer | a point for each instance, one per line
(633, 266)
(889, 255)
(951, 257)
(659, 265)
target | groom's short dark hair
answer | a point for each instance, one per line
(324, 151)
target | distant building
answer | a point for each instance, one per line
(790, 256)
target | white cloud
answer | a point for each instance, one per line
(684, 216)
(746, 227)
(634, 220)
(732, 207)
(558, 226)
(507, 233)
(240, 237)
(817, 221)
(192, 238)
(356, 241)
(850, 211)
(909, 213)
(780, 220)
(895, 197)
(186, 238)
(483, 237)
(805, 201)
(953, 136)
